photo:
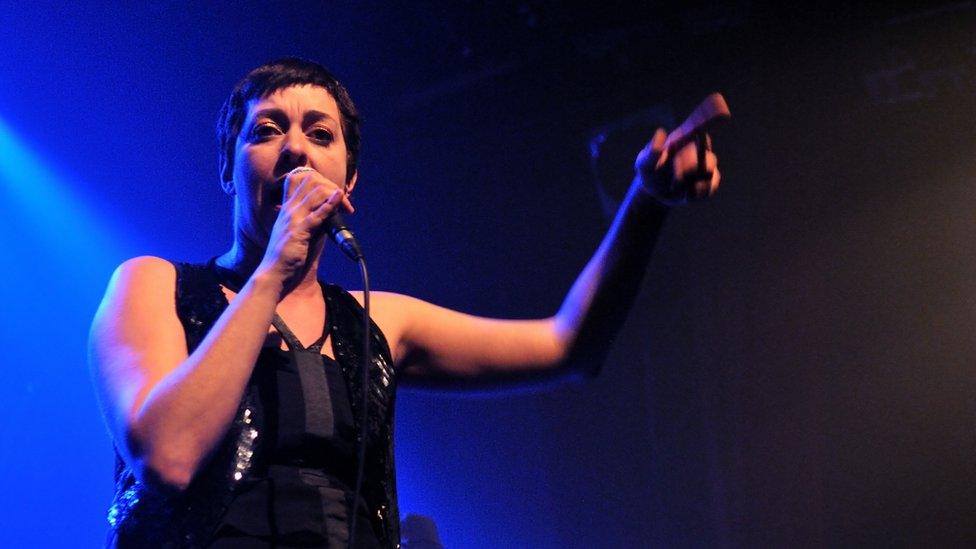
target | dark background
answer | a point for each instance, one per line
(797, 370)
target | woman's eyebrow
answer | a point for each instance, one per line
(315, 116)
(270, 112)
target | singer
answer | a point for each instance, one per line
(232, 388)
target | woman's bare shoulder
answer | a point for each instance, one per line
(142, 286)
(384, 299)
(143, 275)
(392, 313)
(147, 266)
(393, 308)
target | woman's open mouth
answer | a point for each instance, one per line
(276, 196)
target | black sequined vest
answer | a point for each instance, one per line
(144, 516)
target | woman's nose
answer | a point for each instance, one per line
(294, 148)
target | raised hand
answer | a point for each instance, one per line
(678, 167)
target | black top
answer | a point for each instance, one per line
(301, 495)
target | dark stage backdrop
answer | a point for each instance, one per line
(797, 370)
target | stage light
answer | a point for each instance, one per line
(57, 252)
(43, 205)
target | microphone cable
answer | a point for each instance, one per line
(364, 426)
(340, 234)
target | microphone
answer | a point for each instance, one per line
(340, 233)
(336, 226)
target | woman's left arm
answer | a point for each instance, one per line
(437, 346)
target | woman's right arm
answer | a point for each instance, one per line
(168, 409)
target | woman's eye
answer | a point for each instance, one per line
(321, 135)
(264, 130)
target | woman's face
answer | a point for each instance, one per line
(292, 127)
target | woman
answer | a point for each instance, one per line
(233, 407)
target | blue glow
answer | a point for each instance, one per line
(57, 255)
(37, 196)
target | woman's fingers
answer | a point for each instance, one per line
(695, 172)
(308, 190)
(313, 198)
(714, 183)
(653, 155)
(687, 172)
(327, 207)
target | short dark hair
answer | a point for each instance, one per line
(276, 75)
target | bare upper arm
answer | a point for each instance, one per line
(136, 338)
(432, 341)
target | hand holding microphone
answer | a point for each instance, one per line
(309, 210)
(335, 225)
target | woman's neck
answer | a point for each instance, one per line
(244, 260)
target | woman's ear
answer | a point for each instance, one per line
(351, 184)
(227, 177)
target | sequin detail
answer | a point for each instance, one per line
(379, 489)
(120, 506)
(245, 447)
